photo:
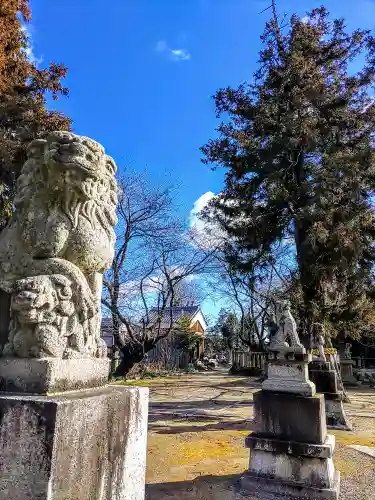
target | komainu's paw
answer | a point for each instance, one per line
(87, 306)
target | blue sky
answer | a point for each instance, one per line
(141, 73)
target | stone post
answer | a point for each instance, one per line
(65, 434)
(291, 453)
(346, 366)
(348, 378)
(325, 380)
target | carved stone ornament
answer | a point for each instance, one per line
(319, 340)
(283, 329)
(348, 351)
(56, 247)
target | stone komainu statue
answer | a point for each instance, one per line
(56, 247)
(319, 337)
(283, 328)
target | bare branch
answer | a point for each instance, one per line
(154, 256)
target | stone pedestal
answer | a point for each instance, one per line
(87, 445)
(290, 416)
(347, 376)
(64, 434)
(288, 371)
(325, 380)
(291, 453)
(49, 375)
(280, 469)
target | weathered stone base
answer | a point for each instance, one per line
(303, 388)
(295, 448)
(51, 375)
(324, 378)
(346, 366)
(296, 463)
(294, 469)
(291, 453)
(88, 445)
(326, 382)
(290, 417)
(335, 413)
(288, 372)
(273, 489)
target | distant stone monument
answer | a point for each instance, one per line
(63, 442)
(326, 377)
(319, 338)
(346, 366)
(291, 453)
(285, 334)
(283, 367)
(348, 351)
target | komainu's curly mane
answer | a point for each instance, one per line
(77, 171)
(62, 228)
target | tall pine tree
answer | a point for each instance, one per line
(23, 89)
(298, 149)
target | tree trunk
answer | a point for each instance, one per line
(309, 284)
(116, 330)
(4, 318)
(302, 226)
(230, 356)
(127, 361)
(131, 355)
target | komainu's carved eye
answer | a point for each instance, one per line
(64, 293)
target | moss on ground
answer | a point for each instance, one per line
(192, 454)
(146, 382)
(196, 448)
(184, 456)
(347, 438)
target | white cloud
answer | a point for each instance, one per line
(180, 55)
(205, 234)
(305, 19)
(173, 54)
(30, 46)
(151, 285)
(199, 205)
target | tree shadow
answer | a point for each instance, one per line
(360, 390)
(193, 410)
(243, 382)
(209, 487)
(213, 403)
(226, 425)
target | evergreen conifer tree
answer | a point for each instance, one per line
(23, 89)
(297, 146)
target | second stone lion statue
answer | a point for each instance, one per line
(56, 247)
(283, 328)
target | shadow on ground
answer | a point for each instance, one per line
(241, 382)
(234, 425)
(203, 410)
(235, 381)
(195, 406)
(228, 487)
(201, 488)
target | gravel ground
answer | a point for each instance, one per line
(197, 428)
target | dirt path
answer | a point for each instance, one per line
(197, 426)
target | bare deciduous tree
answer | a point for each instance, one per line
(250, 294)
(154, 257)
(188, 292)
